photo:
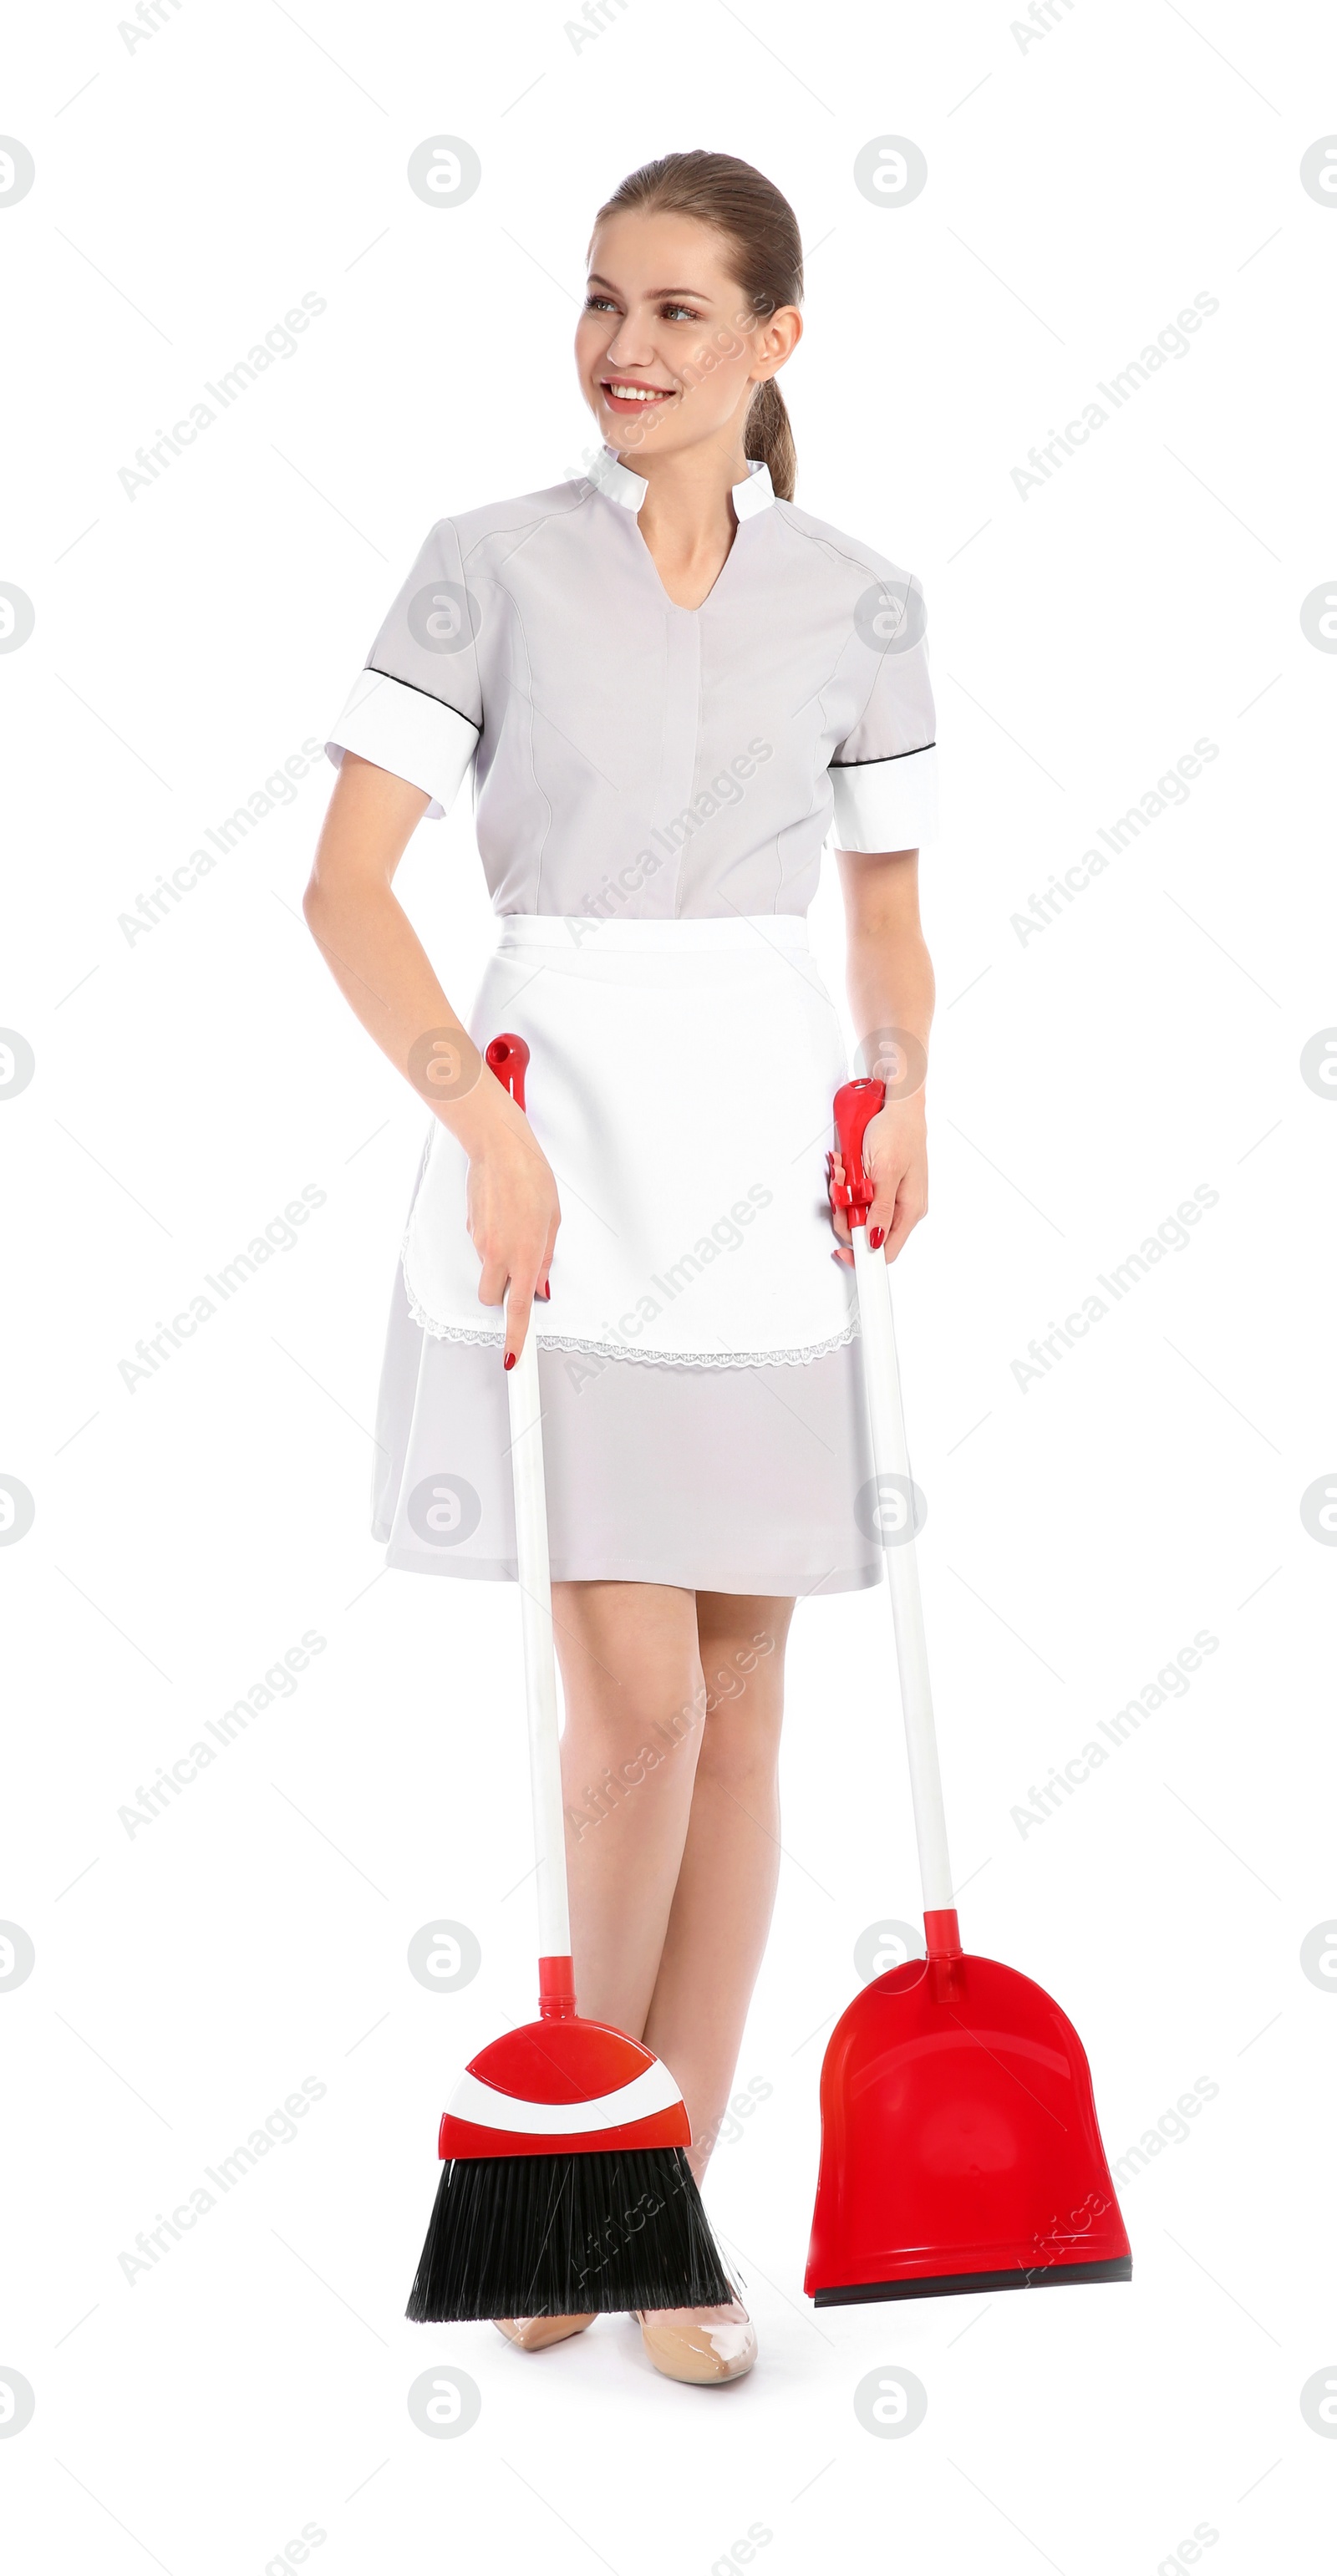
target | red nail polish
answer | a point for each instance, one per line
(509, 1361)
(877, 1235)
(546, 1289)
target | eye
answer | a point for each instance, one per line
(599, 304)
(679, 312)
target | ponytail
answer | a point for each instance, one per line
(769, 436)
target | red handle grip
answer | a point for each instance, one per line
(856, 1104)
(508, 1058)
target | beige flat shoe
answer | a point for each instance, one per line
(699, 2345)
(533, 2334)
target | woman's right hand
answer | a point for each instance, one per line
(513, 1216)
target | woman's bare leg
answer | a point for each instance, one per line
(631, 1675)
(669, 1756)
(725, 1890)
(673, 1705)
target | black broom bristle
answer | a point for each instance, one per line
(564, 2235)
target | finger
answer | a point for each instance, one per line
(839, 1216)
(519, 1308)
(492, 1280)
(911, 1205)
(835, 1175)
(882, 1213)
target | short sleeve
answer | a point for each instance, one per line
(416, 708)
(884, 775)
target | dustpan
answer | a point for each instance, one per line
(960, 2145)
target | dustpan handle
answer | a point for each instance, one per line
(856, 1104)
(508, 1057)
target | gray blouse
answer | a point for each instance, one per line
(637, 760)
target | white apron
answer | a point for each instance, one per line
(680, 1083)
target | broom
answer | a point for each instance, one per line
(565, 2187)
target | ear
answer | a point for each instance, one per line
(777, 339)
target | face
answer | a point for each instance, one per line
(667, 350)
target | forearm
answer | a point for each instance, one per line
(889, 973)
(385, 975)
(890, 986)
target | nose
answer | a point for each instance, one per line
(630, 346)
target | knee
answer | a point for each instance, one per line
(743, 1712)
(634, 1717)
(633, 1745)
(607, 1761)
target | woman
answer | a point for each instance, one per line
(665, 677)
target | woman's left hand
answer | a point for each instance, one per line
(895, 1154)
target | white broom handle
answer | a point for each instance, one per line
(891, 1458)
(531, 1548)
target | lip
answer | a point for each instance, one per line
(615, 403)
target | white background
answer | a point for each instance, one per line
(1083, 188)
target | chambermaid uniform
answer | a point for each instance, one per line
(653, 789)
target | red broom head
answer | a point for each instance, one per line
(563, 2087)
(565, 2185)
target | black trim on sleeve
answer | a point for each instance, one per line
(426, 693)
(878, 760)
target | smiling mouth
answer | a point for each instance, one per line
(626, 396)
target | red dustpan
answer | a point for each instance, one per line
(960, 2147)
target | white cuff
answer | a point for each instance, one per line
(886, 804)
(408, 732)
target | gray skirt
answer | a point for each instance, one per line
(713, 1479)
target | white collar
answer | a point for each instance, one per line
(606, 471)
